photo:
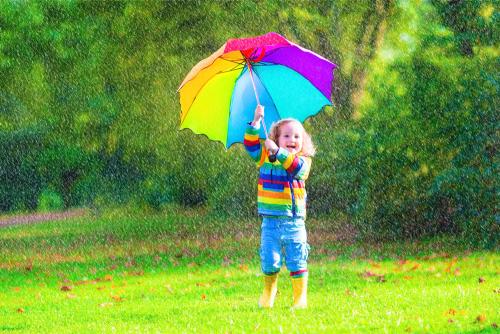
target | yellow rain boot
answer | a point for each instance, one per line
(270, 290)
(299, 286)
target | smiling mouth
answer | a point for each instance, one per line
(291, 146)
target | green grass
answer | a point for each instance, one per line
(189, 273)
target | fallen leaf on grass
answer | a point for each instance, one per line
(203, 297)
(205, 285)
(494, 325)
(117, 298)
(415, 266)
(20, 310)
(480, 318)
(108, 278)
(70, 296)
(451, 264)
(481, 280)
(451, 312)
(16, 289)
(243, 267)
(66, 288)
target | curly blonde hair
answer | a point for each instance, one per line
(308, 148)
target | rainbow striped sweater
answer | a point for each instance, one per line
(281, 188)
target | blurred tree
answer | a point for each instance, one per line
(474, 22)
(89, 109)
(419, 159)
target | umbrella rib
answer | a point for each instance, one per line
(221, 57)
(268, 94)
(262, 64)
(241, 62)
(237, 67)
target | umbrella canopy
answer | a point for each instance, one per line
(218, 96)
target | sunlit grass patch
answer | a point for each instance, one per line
(174, 274)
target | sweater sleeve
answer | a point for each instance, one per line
(296, 165)
(252, 144)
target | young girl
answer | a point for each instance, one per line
(282, 203)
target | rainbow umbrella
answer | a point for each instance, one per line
(219, 95)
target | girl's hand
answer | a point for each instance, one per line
(271, 146)
(258, 115)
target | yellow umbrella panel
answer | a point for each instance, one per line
(205, 94)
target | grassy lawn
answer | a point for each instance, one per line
(192, 274)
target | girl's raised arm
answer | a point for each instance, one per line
(252, 143)
(251, 138)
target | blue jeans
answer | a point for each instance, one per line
(283, 237)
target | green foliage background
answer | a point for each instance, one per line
(89, 110)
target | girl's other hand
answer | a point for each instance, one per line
(271, 146)
(258, 115)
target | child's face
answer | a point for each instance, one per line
(291, 137)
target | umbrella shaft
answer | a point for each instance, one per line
(256, 96)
